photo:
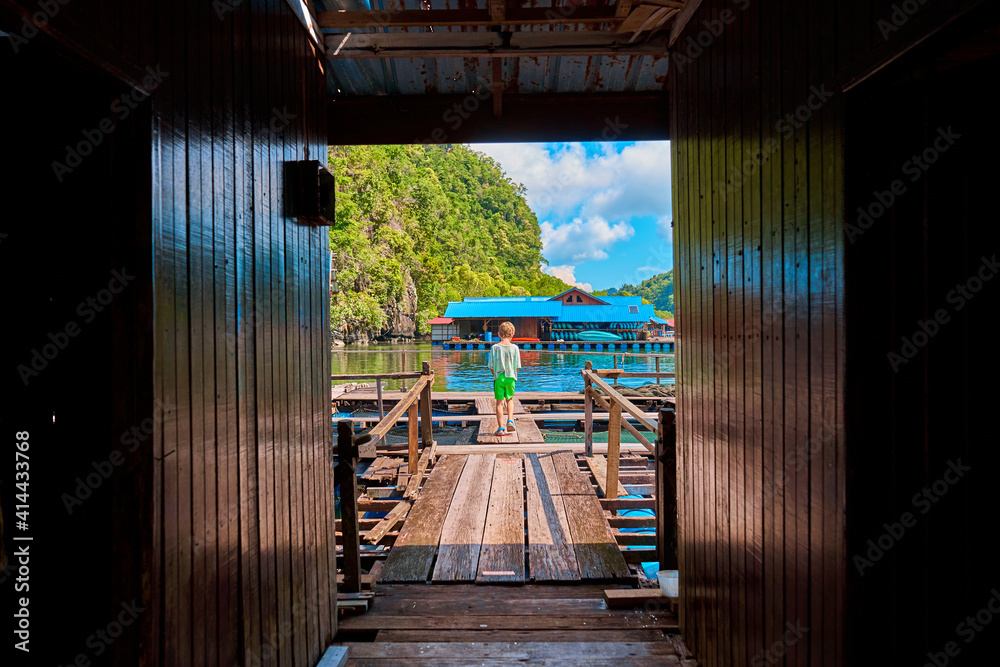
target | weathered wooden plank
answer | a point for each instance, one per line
(501, 558)
(513, 651)
(413, 486)
(581, 634)
(628, 503)
(413, 552)
(622, 599)
(398, 513)
(551, 556)
(599, 467)
(597, 553)
(513, 621)
(462, 534)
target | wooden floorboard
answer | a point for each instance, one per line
(598, 465)
(413, 552)
(501, 559)
(514, 651)
(635, 635)
(597, 552)
(486, 406)
(551, 556)
(462, 533)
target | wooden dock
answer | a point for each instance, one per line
(526, 430)
(468, 524)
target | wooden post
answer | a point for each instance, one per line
(614, 447)
(666, 490)
(381, 412)
(345, 475)
(657, 369)
(588, 413)
(412, 415)
(426, 425)
(614, 358)
(403, 380)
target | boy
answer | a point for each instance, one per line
(504, 360)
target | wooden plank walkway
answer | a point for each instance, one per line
(413, 552)
(526, 432)
(471, 515)
(470, 396)
(462, 534)
(548, 624)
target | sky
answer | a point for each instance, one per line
(604, 208)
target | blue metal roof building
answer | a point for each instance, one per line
(553, 317)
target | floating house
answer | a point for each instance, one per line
(570, 316)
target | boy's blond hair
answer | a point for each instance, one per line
(507, 330)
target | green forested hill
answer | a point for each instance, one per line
(418, 226)
(657, 290)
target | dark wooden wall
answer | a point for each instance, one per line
(759, 319)
(225, 532)
(759, 212)
(919, 565)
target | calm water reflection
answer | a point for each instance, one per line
(465, 370)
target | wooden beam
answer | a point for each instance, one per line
(625, 424)
(486, 44)
(389, 421)
(345, 475)
(498, 10)
(513, 16)
(397, 513)
(497, 87)
(621, 400)
(612, 486)
(682, 18)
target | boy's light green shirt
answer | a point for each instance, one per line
(504, 359)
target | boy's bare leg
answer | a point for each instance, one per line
(500, 420)
(510, 409)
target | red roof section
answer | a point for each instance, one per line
(440, 320)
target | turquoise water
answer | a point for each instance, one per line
(465, 370)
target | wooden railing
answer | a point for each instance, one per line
(614, 403)
(664, 449)
(351, 447)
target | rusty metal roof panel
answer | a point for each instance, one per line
(463, 76)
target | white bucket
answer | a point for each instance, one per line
(668, 582)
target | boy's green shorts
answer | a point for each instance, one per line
(503, 387)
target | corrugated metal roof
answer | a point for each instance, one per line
(440, 320)
(503, 307)
(660, 320)
(604, 314)
(463, 76)
(622, 309)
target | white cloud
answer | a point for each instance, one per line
(652, 270)
(634, 182)
(565, 274)
(582, 240)
(664, 227)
